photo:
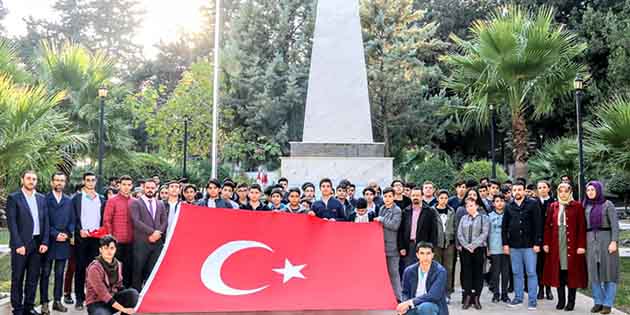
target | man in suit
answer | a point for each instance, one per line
(62, 221)
(27, 217)
(424, 285)
(149, 219)
(417, 225)
(88, 212)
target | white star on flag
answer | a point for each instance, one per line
(290, 271)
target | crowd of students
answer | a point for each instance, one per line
(514, 236)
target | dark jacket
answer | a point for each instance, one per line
(143, 224)
(332, 210)
(261, 207)
(353, 215)
(76, 204)
(522, 225)
(61, 217)
(220, 203)
(20, 220)
(427, 229)
(436, 286)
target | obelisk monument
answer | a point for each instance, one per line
(337, 142)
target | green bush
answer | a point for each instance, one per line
(438, 170)
(475, 170)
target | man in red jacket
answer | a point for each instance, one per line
(117, 221)
(103, 286)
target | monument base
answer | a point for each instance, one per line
(359, 170)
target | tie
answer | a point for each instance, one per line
(151, 209)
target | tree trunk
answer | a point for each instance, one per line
(385, 117)
(520, 150)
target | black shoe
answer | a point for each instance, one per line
(597, 308)
(605, 310)
(477, 303)
(541, 295)
(570, 306)
(79, 306)
(560, 305)
(548, 293)
(33, 312)
(505, 299)
(561, 298)
(68, 299)
(59, 307)
(467, 302)
(496, 299)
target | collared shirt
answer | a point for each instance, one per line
(414, 221)
(116, 218)
(151, 205)
(173, 210)
(372, 208)
(57, 198)
(90, 212)
(32, 205)
(422, 283)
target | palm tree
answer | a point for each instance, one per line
(72, 68)
(33, 134)
(608, 135)
(518, 60)
(557, 158)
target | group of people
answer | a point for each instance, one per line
(531, 239)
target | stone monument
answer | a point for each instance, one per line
(337, 142)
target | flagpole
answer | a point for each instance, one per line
(215, 91)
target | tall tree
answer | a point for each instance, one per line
(402, 81)
(518, 59)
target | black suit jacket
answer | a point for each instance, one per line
(76, 204)
(426, 231)
(61, 218)
(20, 220)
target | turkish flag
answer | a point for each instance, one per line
(222, 260)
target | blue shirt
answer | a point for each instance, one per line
(495, 243)
(32, 205)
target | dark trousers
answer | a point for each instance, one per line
(564, 280)
(27, 266)
(124, 254)
(126, 298)
(67, 281)
(86, 250)
(445, 257)
(472, 270)
(540, 266)
(500, 273)
(145, 255)
(47, 267)
(409, 259)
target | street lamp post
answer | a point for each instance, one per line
(185, 147)
(493, 128)
(102, 93)
(578, 84)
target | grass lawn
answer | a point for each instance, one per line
(5, 273)
(4, 236)
(622, 300)
(624, 235)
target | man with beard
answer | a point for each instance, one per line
(149, 227)
(417, 225)
(522, 238)
(62, 223)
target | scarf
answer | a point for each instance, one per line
(597, 205)
(111, 270)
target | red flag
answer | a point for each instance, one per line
(221, 260)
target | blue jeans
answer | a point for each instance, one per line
(520, 256)
(604, 293)
(426, 308)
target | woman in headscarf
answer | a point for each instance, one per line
(602, 254)
(565, 245)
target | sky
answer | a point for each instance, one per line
(164, 19)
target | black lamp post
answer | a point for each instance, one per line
(102, 93)
(185, 147)
(493, 128)
(578, 84)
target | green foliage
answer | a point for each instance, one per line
(609, 132)
(557, 157)
(476, 170)
(33, 134)
(419, 165)
(10, 62)
(516, 59)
